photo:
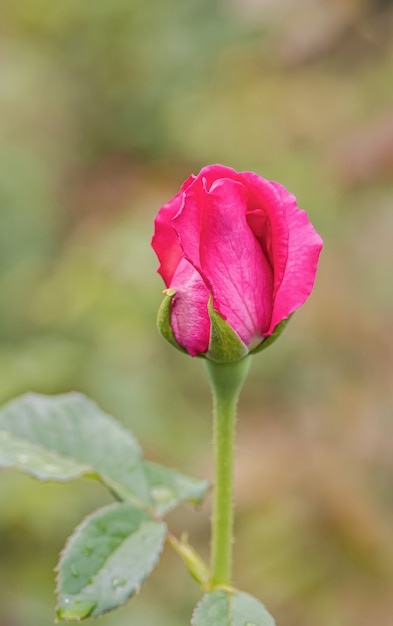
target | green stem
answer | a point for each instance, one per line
(226, 382)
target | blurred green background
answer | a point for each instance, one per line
(105, 107)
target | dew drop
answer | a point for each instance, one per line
(161, 494)
(88, 550)
(74, 571)
(79, 609)
(117, 583)
(66, 600)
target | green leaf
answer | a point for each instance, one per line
(169, 487)
(230, 608)
(107, 559)
(225, 344)
(38, 462)
(67, 436)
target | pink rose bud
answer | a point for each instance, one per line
(237, 256)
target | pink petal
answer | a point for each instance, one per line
(294, 246)
(217, 240)
(267, 219)
(165, 241)
(304, 247)
(189, 316)
(211, 173)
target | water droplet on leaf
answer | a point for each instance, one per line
(117, 583)
(74, 571)
(161, 494)
(78, 609)
(88, 550)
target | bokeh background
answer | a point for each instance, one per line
(105, 107)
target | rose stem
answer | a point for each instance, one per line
(226, 382)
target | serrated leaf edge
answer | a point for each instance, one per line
(116, 488)
(80, 526)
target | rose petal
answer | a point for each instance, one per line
(189, 316)
(304, 248)
(217, 240)
(211, 173)
(295, 245)
(267, 219)
(241, 238)
(165, 242)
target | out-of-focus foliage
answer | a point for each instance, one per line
(105, 107)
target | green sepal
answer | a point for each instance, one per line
(225, 345)
(272, 338)
(196, 566)
(164, 319)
